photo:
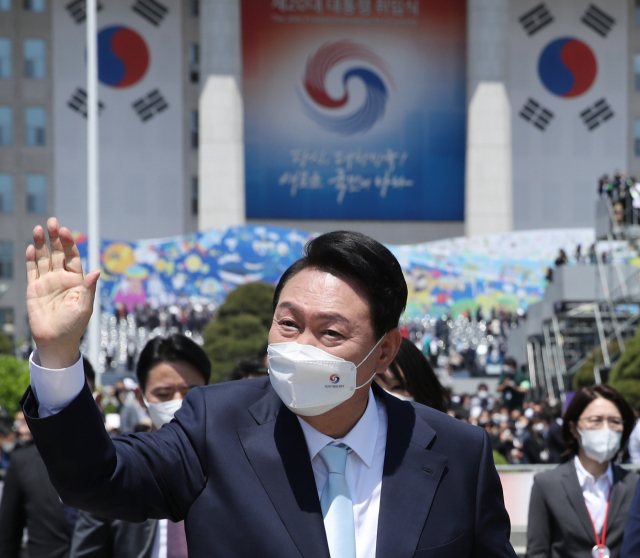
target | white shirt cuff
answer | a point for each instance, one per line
(55, 389)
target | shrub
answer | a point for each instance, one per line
(625, 376)
(14, 380)
(239, 329)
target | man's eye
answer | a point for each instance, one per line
(333, 333)
(287, 323)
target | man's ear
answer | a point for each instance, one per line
(389, 347)
(139, 397)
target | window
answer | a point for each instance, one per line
(6, 193)
(6, 259)
(6, 125)
(194, 195)
(36, 193)
(34, 59)
(636, 71)
(35, 122)
(5, 5)
(34, 5)
(194, 8)
(194, 62)
(194, 129)
(5, 58)
(636, 136)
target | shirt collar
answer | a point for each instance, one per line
(361, 438)
(584, 475)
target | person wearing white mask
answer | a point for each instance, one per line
(580, 508)
(411, 378)
(168, 368)
(312, 462)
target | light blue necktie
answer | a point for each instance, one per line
(336, 504)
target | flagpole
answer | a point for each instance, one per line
(93, 192)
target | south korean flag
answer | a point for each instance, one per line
(568, 90)
(140, 73)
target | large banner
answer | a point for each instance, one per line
(354, 109)
(141, 117)
(568, 81)
(501, 271)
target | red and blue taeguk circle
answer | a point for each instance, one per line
(123, 56)
(567, 67)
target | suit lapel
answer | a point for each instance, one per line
(409, 469)
(571, 486)
(277, 451)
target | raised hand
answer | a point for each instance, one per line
(59, 297)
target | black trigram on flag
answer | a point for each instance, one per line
(534, 112)
(596, 114)
(78, 102)
(150, 105)
(78, 10)
(154, 12)
(598, 20)
(536, 19)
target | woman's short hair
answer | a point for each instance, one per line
(581, 401)
(354, 256)
(175, 348)
(414, 374)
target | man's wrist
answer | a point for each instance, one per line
(57, 357)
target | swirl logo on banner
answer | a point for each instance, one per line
(567, 67)
(336, 114)
(123, 56)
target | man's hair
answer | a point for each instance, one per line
(248, 368)
(175, 348)
(359, 258)
(581, 401)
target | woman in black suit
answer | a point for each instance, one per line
(580, 508)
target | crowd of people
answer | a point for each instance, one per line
(624, 194)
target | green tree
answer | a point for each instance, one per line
(585, 376)
(240, 328)
(14, 380)
(625, 375)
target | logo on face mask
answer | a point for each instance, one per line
(334, 378)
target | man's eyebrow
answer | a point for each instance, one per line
(321, 315)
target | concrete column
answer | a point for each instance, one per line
(488, 183)
(221, 142)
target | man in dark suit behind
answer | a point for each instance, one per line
(312, 461)
(30, 500)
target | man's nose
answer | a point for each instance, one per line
(177, 396)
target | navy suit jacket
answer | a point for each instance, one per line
(631, 539)
(235, 466)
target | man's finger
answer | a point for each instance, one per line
(43, 257)
(32, 265)
(72, 260)
(57, 252)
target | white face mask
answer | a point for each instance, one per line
(162, 413)
(600, 445)
(311, 381)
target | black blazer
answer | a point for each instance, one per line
(29, 500)
(559, 522)
(234, 465)
(97, 537)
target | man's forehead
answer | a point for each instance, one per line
(324, 294)
(313, 286)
